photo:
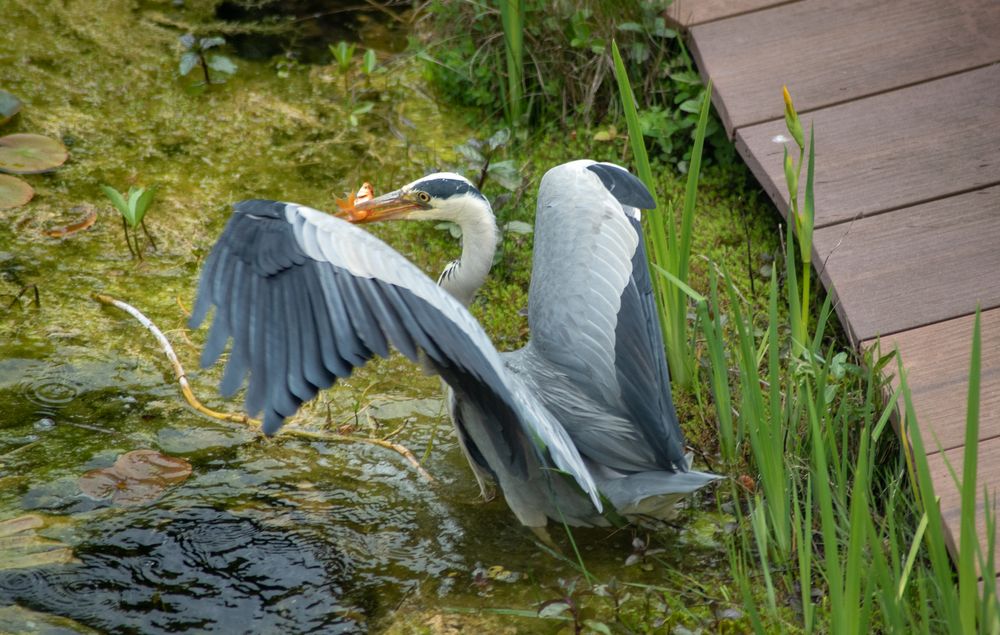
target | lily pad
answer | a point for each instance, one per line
(14, 192)
(21, 547)
(26, 153)
(136, 478)
(9, 106)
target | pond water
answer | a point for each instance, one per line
(285, 535)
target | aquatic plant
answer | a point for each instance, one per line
(22, 547)
(26, 153)
(343, 53)
(23, 153)
(136, 478)
(14, 192)
(195, 53)
(133, 209)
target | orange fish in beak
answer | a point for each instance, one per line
(364, 207)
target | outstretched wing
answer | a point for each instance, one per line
(591, 307)
(306, 297)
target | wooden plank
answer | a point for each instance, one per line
(936, 359)
(913, 266)
(687, 13)
(892, 150)
(833, 52)
(988, 476)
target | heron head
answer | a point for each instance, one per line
(438, 196)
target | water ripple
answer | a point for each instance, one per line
(195, 570)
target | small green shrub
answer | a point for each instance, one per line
(565, 73)
(215, 67)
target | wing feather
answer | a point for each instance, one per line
(312, 297)
(591, 307)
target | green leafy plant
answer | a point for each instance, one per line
(369, 62)
(557, 57)
(195, 53)
(133, 208)
(482, 166)
(343, 53)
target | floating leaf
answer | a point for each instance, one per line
(20, 524)
(150, 464)
(9, 106)
(21, 547)
(14, 192)
(30, 154)
(136, 478)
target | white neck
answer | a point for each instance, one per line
(463, 277)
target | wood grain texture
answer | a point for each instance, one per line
(936, 359)
(687, 13)
(913, 266)
(988, 477)
(892, 150)
(833, 52)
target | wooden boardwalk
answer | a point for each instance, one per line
(905, 98)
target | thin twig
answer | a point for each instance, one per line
(244, 419)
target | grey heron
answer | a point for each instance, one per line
(578, 421)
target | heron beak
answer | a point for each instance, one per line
(391, 206)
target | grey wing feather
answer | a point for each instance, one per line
(582, 263)
(642, 367)
(305, 297)
(591, 309)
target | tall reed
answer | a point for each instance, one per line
(804, 217)
(668, 246)
(512, 17)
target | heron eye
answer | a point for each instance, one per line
(423, 197)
